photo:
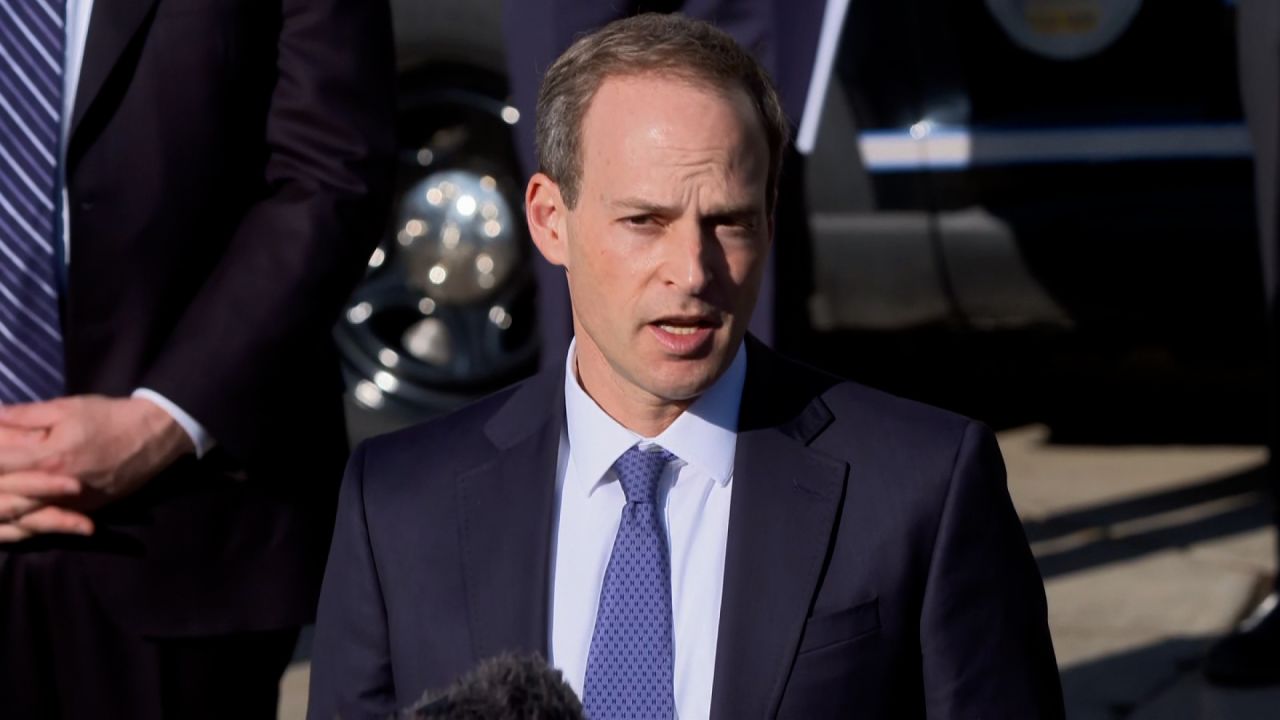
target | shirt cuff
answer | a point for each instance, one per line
(199, 436)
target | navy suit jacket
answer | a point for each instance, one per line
(875, 566)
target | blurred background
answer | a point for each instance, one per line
(1039, 213)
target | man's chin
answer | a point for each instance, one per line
(686, 381)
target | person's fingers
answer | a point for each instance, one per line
(38, 485)
(53, 519)
(13, 507)
(12, 435)
(25, 431)
(12, 533)
(46, 520)
(22, 493)
(16, 458)
(32, 415)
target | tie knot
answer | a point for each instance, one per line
(639, 470)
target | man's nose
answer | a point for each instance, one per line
(689, 257)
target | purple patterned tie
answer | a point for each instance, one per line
(629, 668)
(31, 58)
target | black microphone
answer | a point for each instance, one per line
(506, 687)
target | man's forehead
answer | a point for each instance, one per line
(653, 110)
(638, 88)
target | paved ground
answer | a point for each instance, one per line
(1148, 552)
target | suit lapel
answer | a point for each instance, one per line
(113, 25)
(786, 497)
(506, 508)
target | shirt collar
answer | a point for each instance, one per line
(704, 436)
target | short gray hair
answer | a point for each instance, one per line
(689, 49)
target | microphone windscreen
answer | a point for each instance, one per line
(506, 687)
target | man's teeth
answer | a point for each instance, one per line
(679, 329)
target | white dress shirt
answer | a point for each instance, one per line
(695, 492)
(77, 31)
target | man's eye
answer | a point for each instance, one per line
(639, 220)
(744, 227)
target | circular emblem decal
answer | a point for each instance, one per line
(1064, 29)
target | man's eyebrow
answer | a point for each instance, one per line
(647, 207)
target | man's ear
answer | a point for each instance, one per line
(547, 217)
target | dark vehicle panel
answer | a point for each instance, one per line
(1085, 164)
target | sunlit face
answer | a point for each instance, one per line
(665, 248)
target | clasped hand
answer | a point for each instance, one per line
(64, 458)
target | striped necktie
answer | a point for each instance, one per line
(31, 60)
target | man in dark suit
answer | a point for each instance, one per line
(685, 522)
(188, 191)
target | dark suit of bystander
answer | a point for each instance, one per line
(227, 174)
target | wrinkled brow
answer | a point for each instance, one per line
(746, 211)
